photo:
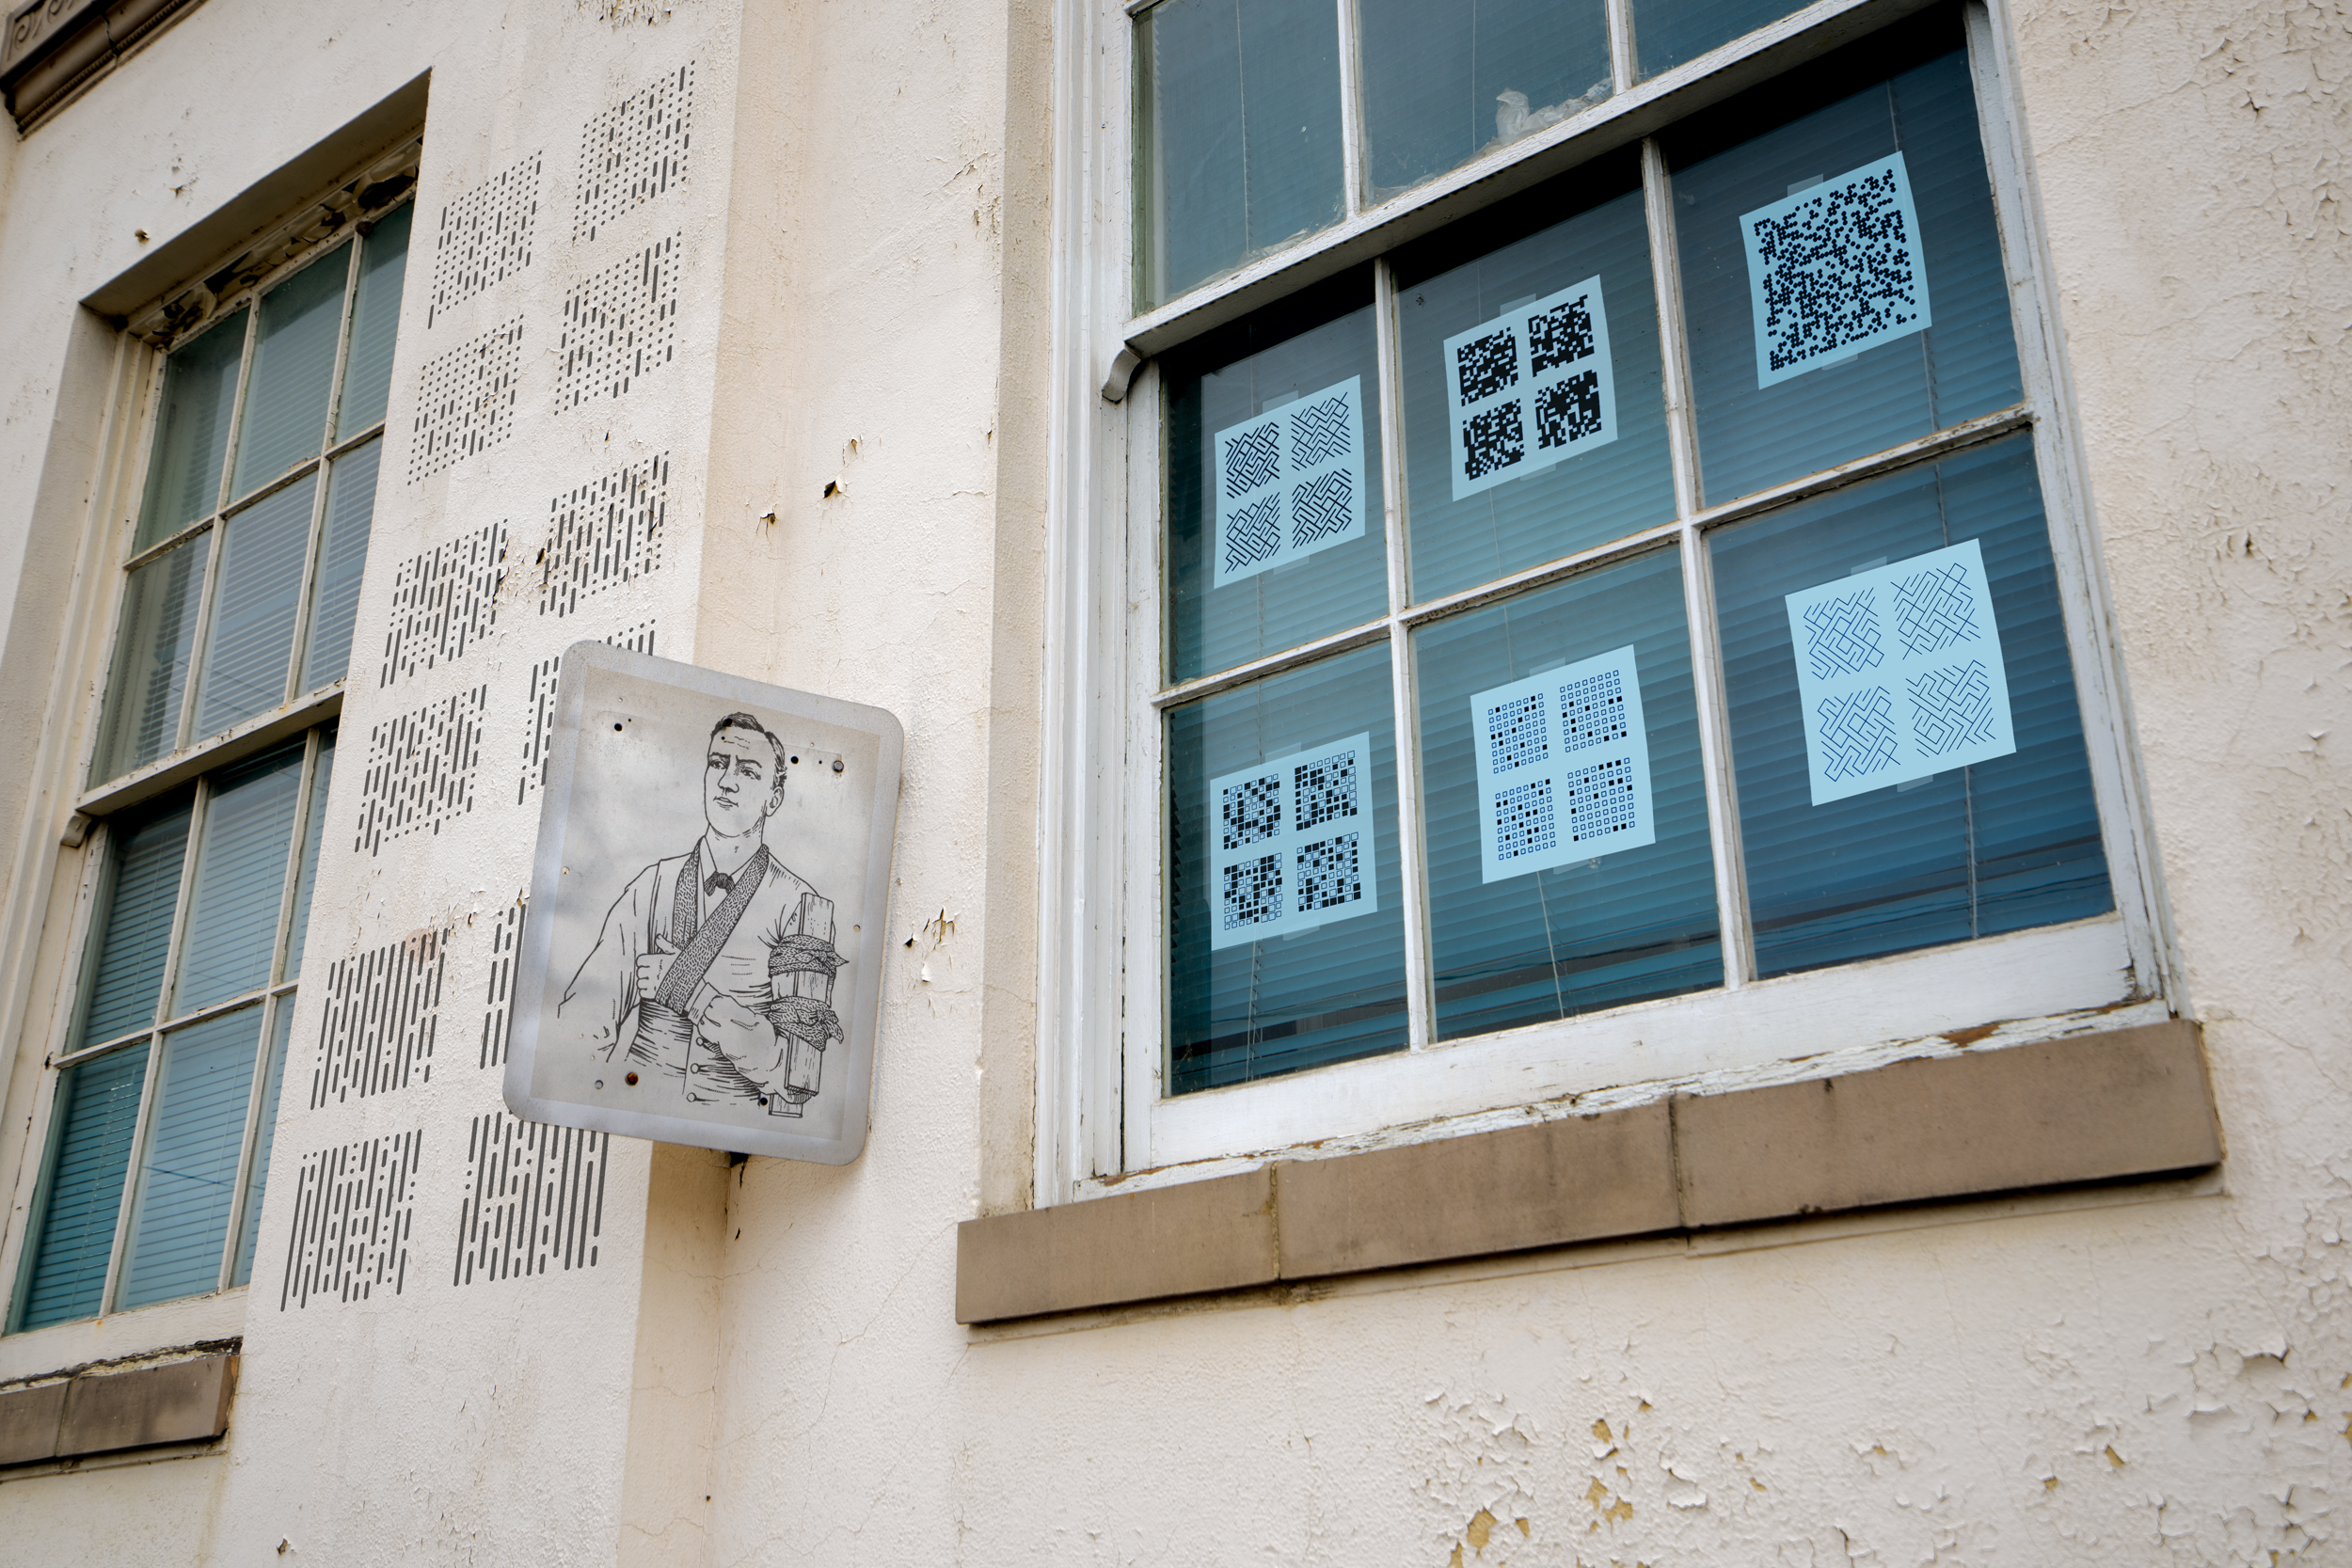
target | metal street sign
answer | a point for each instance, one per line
(702, 958)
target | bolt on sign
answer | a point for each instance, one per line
(702, 963)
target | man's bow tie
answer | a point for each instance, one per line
(718, 882)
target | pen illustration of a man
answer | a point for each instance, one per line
(717, 966)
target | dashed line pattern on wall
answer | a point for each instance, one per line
(354, 1207)
(485, 237)
(534, 1198)
(382, 1013)
(634, 150)
(604, 534)
(506, 941)
(444, 601)
(544, 674)
(466, 400)
(619, 325)
(420, 768)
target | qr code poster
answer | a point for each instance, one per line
(1900, 671)
(1290, 481)
(1834, 269)
(1530, 387)
(1563, 767)
(1291, 844)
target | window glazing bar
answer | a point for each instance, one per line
(1351, 109)
(1420, 1001)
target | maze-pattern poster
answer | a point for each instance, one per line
(1291, 844)
(1835, 268)
(1899, 674)
(1290, 481)
(1530, 388)
(1562, 767)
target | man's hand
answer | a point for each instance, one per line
(652, 969)
(743, 1037)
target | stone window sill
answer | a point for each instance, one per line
(2126, 1104)
(100, 1410)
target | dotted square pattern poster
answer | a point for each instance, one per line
(1899, 673)
(1835, 268)
(1530, 387)
(1562, 767)
(1290, 481)
(1291, 844)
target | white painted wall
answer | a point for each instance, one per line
(2155, 1375)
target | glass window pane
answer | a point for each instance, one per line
(98, 1111)
(149, 673)
(315, 827)
(294, 372)
(1668, 32)
(1275, 526)
(254, 609)
(1443, 83)
(1813, 339)
(1570, 865)
(374, 318)
(192, 429)
(256, 1173)
(1910, 665)
(133, 933)
(1282, 821)
(342, 555)
(1513, 464)
(1238, 146)
(188, 1171)
(240, 873)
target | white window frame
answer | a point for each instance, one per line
(1102, 1122)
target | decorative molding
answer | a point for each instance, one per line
(55, 48)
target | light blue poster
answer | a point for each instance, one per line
(1291, 844)
(1530, 387)
(1835, 268)
(1563, 767)
(1899, 674)
(1290, 483)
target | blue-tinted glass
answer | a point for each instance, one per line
(1596, 931)
(254, 609)
(293, 377)
(374, 319)
(1285, 365)
(1668, 32)
(307, 873)
(98, 1111)
(1965, 364)
(135, 928)
(192, 429)
(257, 1174)
(1237, 108)
(1996, 846)
(1443, 83)
(149, 673)
(1320, 992)
(343, 557)
(1614, 488)
(189, 1170)
(240, 879)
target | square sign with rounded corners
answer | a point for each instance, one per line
(702, 963)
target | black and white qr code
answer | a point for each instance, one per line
(1568, 410)
(1592, 711)
(1560, 336)
(1327, 790)
(1492, 440)
(1524, 822)
(1252, 810)
(1600, 799)
(1327, 873)
(1838, 268)
(1515, 734)
(1253, 892)
(1484, 365)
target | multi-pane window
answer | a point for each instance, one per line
(1641, 587)
(151, 1185)
(253, 528)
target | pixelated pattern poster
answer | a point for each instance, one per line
(1291, 844)
(1563, 767)
(1899, 674)
(1530, 387)
(1835, 268)
(1290, 481)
